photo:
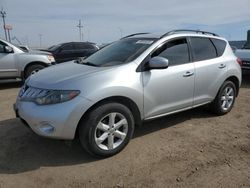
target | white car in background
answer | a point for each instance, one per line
(16, 63)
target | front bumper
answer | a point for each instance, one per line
(57, 121)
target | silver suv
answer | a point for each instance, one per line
(17, 63)
(139, 77)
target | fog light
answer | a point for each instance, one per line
(46, 128)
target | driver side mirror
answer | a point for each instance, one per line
(157, 63)
(8, 49)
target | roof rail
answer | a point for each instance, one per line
(188, 30)
(134, 35)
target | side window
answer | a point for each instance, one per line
(1, 48)
(176, 51)
(87, 46)
(68, 47)
(220, 46)
(80, 46)
(84, 46)
(202, 48)
(2, 45)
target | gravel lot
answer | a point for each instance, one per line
(189, 149)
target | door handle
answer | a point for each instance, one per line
(188, 73)
(221, 66)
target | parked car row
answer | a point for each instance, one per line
(21, 62)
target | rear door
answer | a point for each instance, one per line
(171, 89)
(66, 53)
(210, 67)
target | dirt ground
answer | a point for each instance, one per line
(189, 149)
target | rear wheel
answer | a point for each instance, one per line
(32, 69)
(107, 129)
(224, 101)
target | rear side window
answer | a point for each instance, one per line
(220, 46)
(83, 46)
(68, 47)
(176, 51)
(202, 48)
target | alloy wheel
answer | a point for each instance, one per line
(111, 131)
(227, 98)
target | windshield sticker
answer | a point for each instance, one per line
(144, 42)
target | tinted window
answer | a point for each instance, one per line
(1, 48)
(203, 49)
(175, 51)
(220, 46)
(68, 47)
(2, 45)
(54, 47)
(82, 46)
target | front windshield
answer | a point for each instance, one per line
(54, 47)
(120, 52)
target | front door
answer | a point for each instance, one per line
(8, 67)
(169, 90)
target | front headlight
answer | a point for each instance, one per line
(51, 58)
(57, 96)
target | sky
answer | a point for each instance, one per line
(105, 21)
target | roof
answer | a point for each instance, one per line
(173, 32)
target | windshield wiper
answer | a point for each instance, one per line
(79, 61)
(90, 64)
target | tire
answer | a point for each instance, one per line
(32, 69)
(97, 139)
(224, 101)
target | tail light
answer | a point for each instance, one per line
(239, 61)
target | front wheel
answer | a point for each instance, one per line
(224, 101)
(107, 129)
(32, 69)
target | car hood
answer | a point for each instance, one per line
(243, 53)
(34, 53)
(39, 52)
(62, 75)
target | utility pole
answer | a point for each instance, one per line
(80, 26)
(40, 39)
(3, 14)
(9, 34)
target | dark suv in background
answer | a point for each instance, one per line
(244, 53)
(71, 50)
